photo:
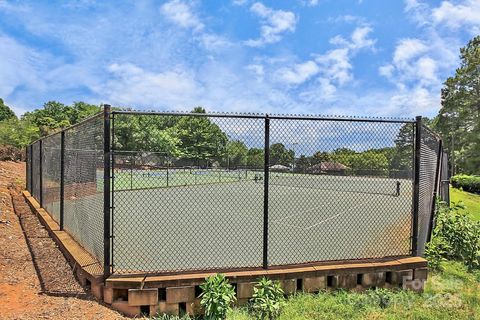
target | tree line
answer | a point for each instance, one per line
(458, 120)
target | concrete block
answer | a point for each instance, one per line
(242, 302)
(126, 309)
(420, 274)
(314, 284)
(180, 294)
(347, 281)
(142, 297)
(381, 277)
(399, 277)
(97, 290)
(195, 308)
(245, 289)
(168, 308)
(289, 286)
(108, 295)
(415, 285)
(369, 279)
(153, 310)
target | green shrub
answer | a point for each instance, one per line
(267, 300)
(466, 183)
(458, 234)
(217, 297)
(436, 251)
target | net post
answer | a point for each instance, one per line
(416, 184)
(265, 191)
(62, 178)
(40, 165)
(435, 191)
(106, 190)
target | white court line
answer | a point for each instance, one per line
(319, 223)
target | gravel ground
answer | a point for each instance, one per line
(36, 281)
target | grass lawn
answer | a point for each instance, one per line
(453, 293)
(471, 201)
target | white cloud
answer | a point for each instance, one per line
(240, 2)
(182, 14)
(358, 39)
(273, 24)
(465, 13)
(407, 49)
(299, 73)
(257, 69)
(334, 66)
(411, 62)
(310, 3)
(130, 84)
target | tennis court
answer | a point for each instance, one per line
(176, 192)
(219, 224)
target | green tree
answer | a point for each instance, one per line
(281, 155)
(402, 159)
(201, 139)
(236, 154)
(458, 120)
(320, 156)
(255, 158)
(303, 163)
(55, 115)
(5, 112)
(147, 133)
(18, 133)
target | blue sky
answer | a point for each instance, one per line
(369, 58)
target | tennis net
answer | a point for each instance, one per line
(369, 185)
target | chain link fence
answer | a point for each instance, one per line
(173, 192)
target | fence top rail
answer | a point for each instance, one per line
(263, 116)
(69, 127)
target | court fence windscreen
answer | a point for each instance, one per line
(158, 192)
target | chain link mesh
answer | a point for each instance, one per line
(444, 180)
(51, 168)
(429, 148)
(187, 207)
(83, 217)
(337, 190)
(28, 178)
(189, 191)
(36, 171)
(346, 197)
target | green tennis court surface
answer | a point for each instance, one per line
(217, 222)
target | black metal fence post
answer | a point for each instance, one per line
(265, 191)
(416, 184)
(106, 190)
(40, 166)
(62, 178)
(27, 169)
(435, 191)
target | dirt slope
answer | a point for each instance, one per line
(42, 287)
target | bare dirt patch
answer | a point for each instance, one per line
(36, 281)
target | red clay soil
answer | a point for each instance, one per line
(36, 282)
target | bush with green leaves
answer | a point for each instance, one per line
(217, 296)
(456, 237)
(466, 183)
(267, 300)
(435, 251)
